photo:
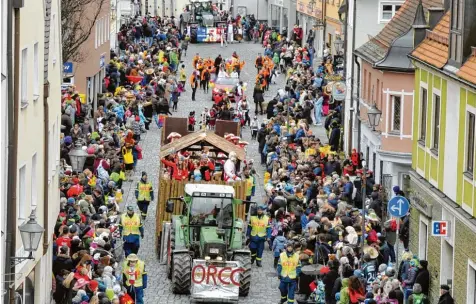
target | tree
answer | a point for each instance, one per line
(78, 18)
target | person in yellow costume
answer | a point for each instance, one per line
(259, 231)
(131, 229)
(289, 269)
(144, 194)
(134, 278)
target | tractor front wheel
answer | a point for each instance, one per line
(181, 273)
(245, 279)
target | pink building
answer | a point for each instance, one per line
(387, 81)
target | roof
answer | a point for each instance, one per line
(397, 56)
(202, 136)
(468, 70)
(433, 49)
(209, 188)
(376, 49)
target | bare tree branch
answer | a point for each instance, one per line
(78, 18)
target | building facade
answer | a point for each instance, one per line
(39, 60)
(442, 184)
(387, 82)
(259, 8)
(367, 25)
(280, 14)
(90, 72)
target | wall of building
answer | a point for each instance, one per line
(3, 136)
(95, 51)
(461, 268)
(427, 161)
(259, 8)
(400, 85)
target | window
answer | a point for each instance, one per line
(436, 122)
(36, 72)
(52, 154)
(24, 77)
(369, 97)
(423, 239)
(471, 290)
(22, 193)
(364, 85)
(378, 95)
(456, 42)
(388, 10)
(34, 190)
(470, 143)
(447, 252)
(424, 101)
(396, 113)
(106, 31)
(53, 37)
(96, 34)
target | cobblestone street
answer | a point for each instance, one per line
(264, 288)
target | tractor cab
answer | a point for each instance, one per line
(211, 231)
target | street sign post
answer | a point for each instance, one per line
(398, 206)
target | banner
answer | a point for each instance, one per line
(220, 281)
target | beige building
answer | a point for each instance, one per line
(89, 74)
(39, 62)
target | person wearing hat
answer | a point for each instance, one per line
(423, 277)
(418, 297)
(445, 296)
(250, 184)
(259, 232)
(289, 269)
(144, 194)
(131, 229)
(134, 277)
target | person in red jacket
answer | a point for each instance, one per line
(179, 171)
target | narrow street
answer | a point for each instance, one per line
(159, 290)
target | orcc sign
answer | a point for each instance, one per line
(215, 282)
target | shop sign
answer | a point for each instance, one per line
(339, 90)
(440, 228)
(416, 200)
(278, 2)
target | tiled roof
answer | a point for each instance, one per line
(376, 49)
(468, 70)
(434, 49)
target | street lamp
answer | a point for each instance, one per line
(374, 115)
(78, 157)
(338, 44)
(30, 232)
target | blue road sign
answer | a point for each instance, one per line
(398, 206)
(68, 68)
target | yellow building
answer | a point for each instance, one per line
(311, 13)
(443, 176)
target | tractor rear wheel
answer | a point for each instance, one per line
(245, 279)
(171, 249)
(181, 273)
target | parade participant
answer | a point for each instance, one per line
(259, 232)
(144, 194)
(289, 269)
(230, 168)
(194, 83)
(131, 229)
(250, 185)
(134, 278)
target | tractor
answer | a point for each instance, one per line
(208, 235)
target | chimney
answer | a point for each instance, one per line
(419, 25)
(435, 15)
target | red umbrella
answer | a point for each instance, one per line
(134, 79)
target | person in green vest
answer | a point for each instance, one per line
(144, 194)
(250, 184)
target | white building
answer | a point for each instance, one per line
(40, 63)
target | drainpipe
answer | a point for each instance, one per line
(351, 128)
(13, 90)
(46, 123)
(359, 126)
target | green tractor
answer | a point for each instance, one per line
(208, 236)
